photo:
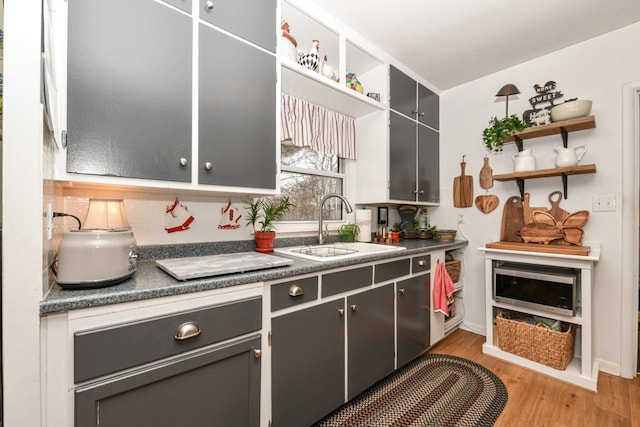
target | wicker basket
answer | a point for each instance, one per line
(453, 268)
(551, 348)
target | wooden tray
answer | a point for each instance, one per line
(536, 247)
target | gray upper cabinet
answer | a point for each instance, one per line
(414, 161)
(184, 5)
(428, 107)
(403, 92)
(251, 20)
(237, 113)
(129, 89)
(414, 100)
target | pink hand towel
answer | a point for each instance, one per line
(443, 290)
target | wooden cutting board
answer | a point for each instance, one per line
(528, 210)
(537, 247)
(487, 203)
(486, 175)
(512, 220)
(463, 189)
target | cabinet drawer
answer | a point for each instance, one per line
(106, 350)
(391, 270)
(288, 294)
(342, 281)
(420, 264)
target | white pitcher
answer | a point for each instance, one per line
(524, 161)
(569, 156)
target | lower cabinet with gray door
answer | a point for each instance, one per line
(413, 313)
(194, 368)
(307, 367)
(370, 334)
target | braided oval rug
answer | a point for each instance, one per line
(433, 390)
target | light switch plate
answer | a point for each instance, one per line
(604, 203)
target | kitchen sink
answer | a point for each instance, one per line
(336, 251)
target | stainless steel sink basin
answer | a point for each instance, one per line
(336, 251)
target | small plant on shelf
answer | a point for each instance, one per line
(348, 232)
(498, 129)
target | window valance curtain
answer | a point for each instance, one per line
(309, 125)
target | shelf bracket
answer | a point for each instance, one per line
(564, 185)
(518, 142)
(520, 182)
(565, 136)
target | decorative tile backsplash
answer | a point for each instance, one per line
(214, 218)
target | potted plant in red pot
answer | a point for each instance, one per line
(264, 212)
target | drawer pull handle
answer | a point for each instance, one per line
(354, 307)
(341, 312)
(187, 330)
(257, 353)
(402, 291)
(209, 5)
(296, 291)
(422, 263)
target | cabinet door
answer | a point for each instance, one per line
(237, 113)
(307, 366)
(219, 386)
(403, 92)
(129, 89)
(371, 338)
(428, 165)
(413, 318)
(428, 107)
(249, 19)
(402, 158)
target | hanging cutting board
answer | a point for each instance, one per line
(463, 188)
(558, 213)
(512, 220)
(486, 175)
(487, 203)
(528, 210)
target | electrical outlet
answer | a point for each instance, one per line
(603, 203)
(460, 219)
(49, 221)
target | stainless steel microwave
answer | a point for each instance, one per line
(546, 288)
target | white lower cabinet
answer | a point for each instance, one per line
(190, 360)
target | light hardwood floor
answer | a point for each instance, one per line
(539, 400)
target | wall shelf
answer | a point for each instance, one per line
(559, 128)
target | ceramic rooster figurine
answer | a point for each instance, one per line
(311, 60)
(327, 70)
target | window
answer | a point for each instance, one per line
(306, 177)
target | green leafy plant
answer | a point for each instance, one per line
(348, 232)
(498, 129)
(265, 211)
(415, 226)
(396, 227)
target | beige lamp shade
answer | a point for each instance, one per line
(106, 214)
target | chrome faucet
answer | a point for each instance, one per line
(347, 206)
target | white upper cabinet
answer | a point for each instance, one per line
(323, 87)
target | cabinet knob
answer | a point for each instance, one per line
(421, 114)
(296, 291)
(421, 192)
(341, 312)
(402, 291)
(187, 330)
(422, 263)
(257, 353)
(354, 307)
(415, 191)
(208, 166)
(414, 112)
(183, 161)
(209, 5)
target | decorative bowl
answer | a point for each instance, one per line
(571, 110)
(446, 235)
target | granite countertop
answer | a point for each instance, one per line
(150, 281)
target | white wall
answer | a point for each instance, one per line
(596, 69)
